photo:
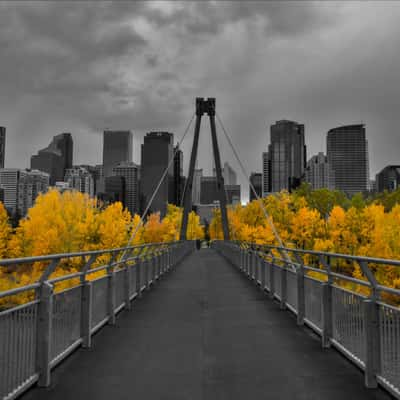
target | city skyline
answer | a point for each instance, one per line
(318, 63)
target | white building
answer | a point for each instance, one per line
(318, 172)
(21, 187)
(196, 187)
(80, 179)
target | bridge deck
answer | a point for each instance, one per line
(205, 333)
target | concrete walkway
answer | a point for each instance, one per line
(205, 332)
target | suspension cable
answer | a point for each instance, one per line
(139, 225)
(267, 216)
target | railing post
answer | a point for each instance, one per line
(283, 287)
(111, 297)
(127, 286)
(146, 265)
(44, 333)
(301, 300)
(271, 279)
(326, 314)
(86, 314)
(263, 273)
(139, 277)
(372, 342)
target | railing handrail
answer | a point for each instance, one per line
(385, 261)
(48, 257)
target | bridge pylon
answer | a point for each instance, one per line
(205, 106)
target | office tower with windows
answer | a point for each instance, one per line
(117, 147)
(347, 152)
(56, 158)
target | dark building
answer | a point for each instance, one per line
(287, 155)
(179, 181)
(266, 174)
(347, 152)
(130, 172)
(208, 190)
(157, 153)
(2, 145)
(117, 147)
(55, 158)
(256, 179)
(115, 189)
(388, 179)
(233, 194)
(1, 195)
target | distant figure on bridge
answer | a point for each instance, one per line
(198, 244)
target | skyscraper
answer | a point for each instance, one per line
(266, 174)
(256, 181)
(388, 179)
(55, 158)
(287, 153)
(157, 153)
(347, 152)
(2, 145)
(117, 147)
(80, 179)
(318, 173)
(130, 172)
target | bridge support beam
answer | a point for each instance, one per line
(205, 106)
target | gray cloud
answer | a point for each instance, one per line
(85, 66)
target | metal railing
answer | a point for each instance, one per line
(39, 333)
(358, 317)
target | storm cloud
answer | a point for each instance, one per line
(81, 67)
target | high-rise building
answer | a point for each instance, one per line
(287, 153)
(266, 174)
(196, 188)
(80, 179)
(347, 152)
(2, 145)
(21, 187)
(233, 195)
(55, 158)
(130, 172)
(388, 179)
(115, 189)
(157, 153)
(30, 184)
(117, 147)
(256, 181)
(1, 195)
(318, 173)
(179, 181)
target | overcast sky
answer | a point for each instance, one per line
(82, 67)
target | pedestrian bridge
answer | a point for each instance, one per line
(234, 321)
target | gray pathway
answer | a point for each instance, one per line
(205, 332)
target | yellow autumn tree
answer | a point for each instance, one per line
(5, 231)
